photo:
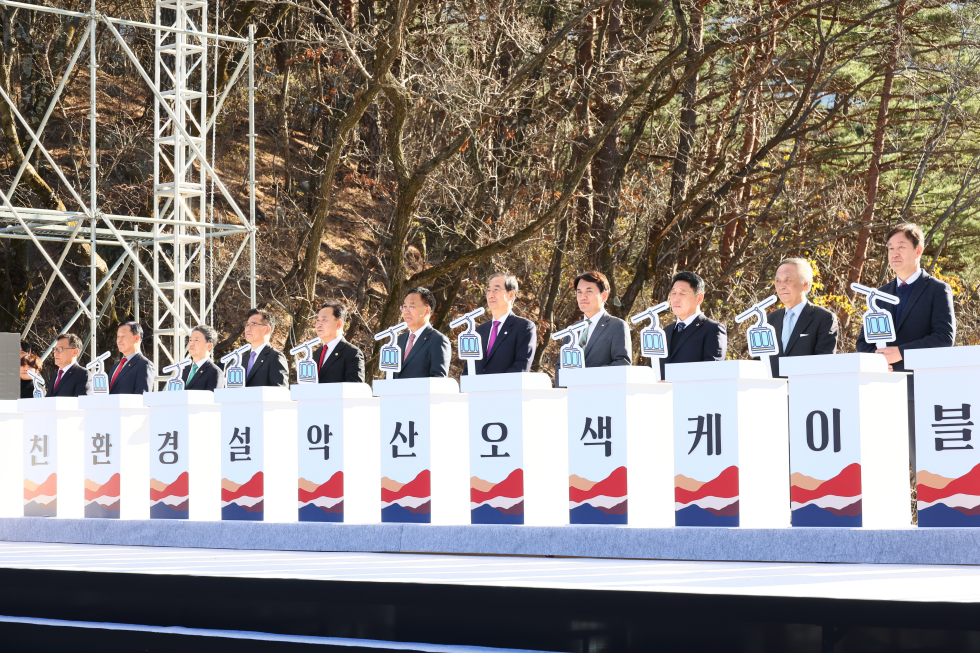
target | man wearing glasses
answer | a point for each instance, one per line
(508, 341)
(337, 360)
(72, 380)
(605, 340)
(264, 365)
(425, 351)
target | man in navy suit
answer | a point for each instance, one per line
(203, 374)
(802, 329)
(134, 373)
(692, 338)
(605, 341)
(425, 351)
(72, 380)
(923, 317)
(337, 360)
(265, 366)
(508, 341)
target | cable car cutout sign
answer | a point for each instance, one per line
(469, 347)
(235, 373)
(879, 327)
(306, 370)
(390, 361)
(653, 340)
(761, 335)
(175, 383)
(100, 380)
(572, 356)
(38, 384)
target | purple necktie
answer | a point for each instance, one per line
(493, 335)
(251, 361)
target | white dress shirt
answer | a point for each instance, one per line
(595, 320)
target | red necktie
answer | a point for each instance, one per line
(58, 380)
(323, 355)
(118, 370)
(411, 341)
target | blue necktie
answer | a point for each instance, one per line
(788, 328)
(680, 327)
(251, 361)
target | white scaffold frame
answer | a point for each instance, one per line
(181, 225)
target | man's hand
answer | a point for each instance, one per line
(891, 354)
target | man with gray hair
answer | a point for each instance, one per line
(509, 341)
(802, 329)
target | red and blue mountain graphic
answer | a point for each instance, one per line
(944, 501)
(835, 502)
(407, 502)
(598, 502)
(497, 503)
(707, 503)
(243, 502)
(323, 502)
(170, 500)
(102, 501)
(41, 500)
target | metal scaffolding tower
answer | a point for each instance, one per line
(181, 276)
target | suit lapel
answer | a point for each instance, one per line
(597, 332)
(806, 316)
(125, 370)
(333, 355)
(502, 332)
(917, 290)
(686, 333)
(197, 375)
(259, 360)
(421, 341)
(68, 373)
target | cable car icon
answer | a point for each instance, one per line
(469, 347)
(571, 356)
(176, 384)
(100, 380)
(235, 373)
(390, 361)
(38, 384)
(761, 336)
(653, 340)
(879, 326)
(306, 370)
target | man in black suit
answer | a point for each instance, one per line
(692, 338)
(203, 374)
(802, 329)
(923, 317)
(134, 373)
(606, 340)
(337, 360)
(508, 341)
(265, 366)
(425, 351)
(72, 380)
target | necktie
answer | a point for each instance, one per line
(323, 355)
(493, 335)
(411, 341)
(58, 380)
(788, 328)
(193, 372)
(585, 334)
(251, 362)
(119, 367)
(680, 326)
(903, 293)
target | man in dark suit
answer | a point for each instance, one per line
(508, 341)
(71, 380)
(134, 373)
(425, 351)
(605, 341)
(265, 365)
(802, 329)
(692, 338)
(924, 316)
(337, 360)
(203, 374)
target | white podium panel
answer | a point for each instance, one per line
(731, 445)
(12, 461)
(258, 454)
(117, 463)
(424, 451)
(849, 452)
(947, 398)
(518, 449)
(184, 455)
(620, 447)
(54, 467)
(339, 452)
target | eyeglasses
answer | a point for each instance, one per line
(59, 350)
(254, 324)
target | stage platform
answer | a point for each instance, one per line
(920, 546)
